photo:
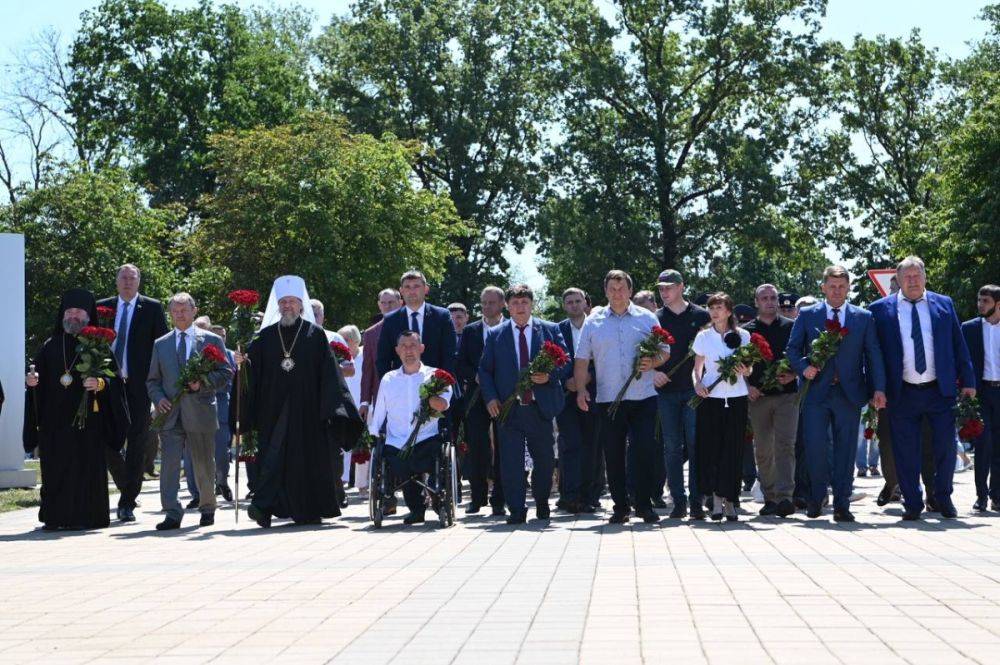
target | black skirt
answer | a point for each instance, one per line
(719, 433)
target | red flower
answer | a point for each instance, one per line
(663, 335)
(833, 325)
(559, 357)
(98, 333)
(843, 332)
(212, 353)
(972, 429)
(760, 342)
(444, 376)
(341, 351)
(244, 297)
(247, 458)
(869, 433)
(105, 314)
(360, 456)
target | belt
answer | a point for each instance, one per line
(991, 384)
(921, 386)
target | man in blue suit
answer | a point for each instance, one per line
(982, 336)
(510, 347)
(925, 356)
(432, 323)
(837, 392)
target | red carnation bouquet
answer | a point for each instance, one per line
(871, 423)
(106, 316)
(551, 356)
(362, 451)
(659, 339)
(241, 329)
(341, 352)
(93, 350)
(436, 385)
(823, 348)
(195, 370)
(970, 424)
(758, 350)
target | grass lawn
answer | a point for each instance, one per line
(15, 499)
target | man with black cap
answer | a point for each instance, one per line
(786, 305)
(677, 421)
(74, 469)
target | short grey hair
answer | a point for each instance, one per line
(762, 287)
(316, 304)
(351, 334)
(805, 301)
(911, 262)
(393, 292)
(492, 289)
(204, 322)
(182, 298)
(128, 266)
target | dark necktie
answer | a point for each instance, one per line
(836, 315)
(836, 374)
(121, 337)
(524, 359)
(917, 335)
(181, 349)
(414, 323)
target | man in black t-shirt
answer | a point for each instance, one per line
(683, 320)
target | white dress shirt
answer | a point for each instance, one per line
(709, 344)
(487, 327)
(517, 340)
(188, 340)
(398, 401)
(904, 312)
(841, 313)
(991, 351)
(420, 318)
(119, 312)
(577, 332)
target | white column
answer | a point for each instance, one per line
(12, 471)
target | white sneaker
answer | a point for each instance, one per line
(756, 492)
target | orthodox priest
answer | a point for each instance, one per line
(301, 409)
(74, 492)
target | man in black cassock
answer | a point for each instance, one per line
(301, 409)
(74, 490)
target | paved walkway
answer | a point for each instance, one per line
(576, 590)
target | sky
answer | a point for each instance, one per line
(948, 25)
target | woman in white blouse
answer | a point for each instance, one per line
(721, 418)
(352, 336)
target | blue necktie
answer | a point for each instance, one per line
(414, 324)
(121, 337)
(919, 357)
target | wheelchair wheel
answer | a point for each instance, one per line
(375, 481)
(446, 476)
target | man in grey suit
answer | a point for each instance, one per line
(192, 422)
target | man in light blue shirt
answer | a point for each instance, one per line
(610, 338)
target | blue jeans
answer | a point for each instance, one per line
(677, 430)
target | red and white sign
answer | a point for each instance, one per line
(881, 277)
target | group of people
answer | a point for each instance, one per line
(619, 415)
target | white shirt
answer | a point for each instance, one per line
(119, 312)
(398, 400)
(354, 382)
(487, 327)
(904, 312)
(517, 340)
(188, 336)
(420, 318)
(710, 344)
(577, 332)
(991, 351)
(841, 313)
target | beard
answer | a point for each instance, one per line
(289, 319)
(74, 326)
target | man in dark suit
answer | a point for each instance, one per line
(982, 336)
(510, 348)
(388, 302)
(139, 321)
(837, 392)
(432, 323)
(925, 356)
(481, 461)
(579, 452)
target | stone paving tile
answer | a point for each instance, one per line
(573, 591)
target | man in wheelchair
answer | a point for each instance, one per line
(398, 400)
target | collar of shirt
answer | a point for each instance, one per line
(517, 337)
(122, 301)
(631, 310)
(487, 327)
(841, 312)
(900, 298)
(419, 312)
(189, 331)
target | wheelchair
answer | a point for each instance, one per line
(382, 486)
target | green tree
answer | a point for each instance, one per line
(78, 228)
(151, 84)
(311, 199)
(466, 78)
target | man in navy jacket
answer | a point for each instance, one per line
(982, 336)
(432, 323)
(925, 358)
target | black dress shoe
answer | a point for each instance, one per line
(863, 473)
(193, 503)
(207, 519)
(981, 505)
(618, 517)
(226, 493)
(413, 518)
(932, 505)
(948, 510)
(259, 516)
(995, 505)
(343, 501)
(542, 511)
(697, 512)
(680, 511)
(814, 510)
(911, 515)
(498, 511)
(118, 513)
(770, 508)
(168, 524)
(882, 498)
(784, 508)
(472, 508)
(589, 507)
(658, 502)
(800, 503)
(648, 516)
(843, 516)
(517, 518)
(128, 515)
